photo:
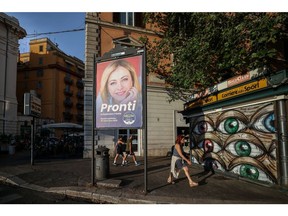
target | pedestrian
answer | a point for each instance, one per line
(129, 151)
(119, 151)
(209, 161)
(180, 162)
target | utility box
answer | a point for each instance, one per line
(102, 163)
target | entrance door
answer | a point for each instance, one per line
(125, 133)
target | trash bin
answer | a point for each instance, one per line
(102, 163)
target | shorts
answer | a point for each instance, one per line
(119, 151)
(128, 153)
(179, 164)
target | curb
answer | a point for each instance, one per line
(114, 196)
(67, 191)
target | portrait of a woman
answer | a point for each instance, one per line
(119, 98)
(119, 83)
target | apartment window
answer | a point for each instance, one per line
(129, 18)
(41, 48)
(40, 61)
(26, 75)
(68, 66)
(39, 85)
(40, 73)
(67, 88)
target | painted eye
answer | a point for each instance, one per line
(210, 144)
(265, 123)
(244, 148)
(251, 172)
(231, 125)
(202, 127)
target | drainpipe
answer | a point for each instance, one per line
(5, 74)
(283, 142)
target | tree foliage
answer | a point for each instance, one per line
(198, 50)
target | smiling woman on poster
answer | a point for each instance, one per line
(119, 101)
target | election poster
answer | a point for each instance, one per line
(119, 93)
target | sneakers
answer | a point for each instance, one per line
(122, 164)
(137, 164)
(115, 164)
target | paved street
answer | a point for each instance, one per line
(72, 177)
(16, 195)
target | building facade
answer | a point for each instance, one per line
(10, 33)
(103, 32)
(56, 78)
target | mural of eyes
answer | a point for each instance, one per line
(265, 123)
(251, 172)
(244, 148)
(209, 144)
(202, 127)
(231, 125)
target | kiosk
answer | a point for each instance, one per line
(242, 123)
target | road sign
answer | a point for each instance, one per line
(32, 105)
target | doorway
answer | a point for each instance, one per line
(125, 133)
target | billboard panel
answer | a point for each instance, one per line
(32, 105)
(119, 93)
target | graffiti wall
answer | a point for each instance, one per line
(241, 140)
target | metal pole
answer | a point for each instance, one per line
(145, 124)
(283, 141)
(93, 128)
(32, 141)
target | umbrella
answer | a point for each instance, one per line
(63, 125)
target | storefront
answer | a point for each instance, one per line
(243, 123)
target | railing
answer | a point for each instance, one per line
(68, 92)
(80, 84)
(68, 80)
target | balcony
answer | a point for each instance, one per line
(68, 92)
(80, 106)
(80, 84)
(67, 116)
(68, 80)
(68, 103)
(80, 94)
(80, 118)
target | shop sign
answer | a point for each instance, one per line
(202, 102)
(253, 86)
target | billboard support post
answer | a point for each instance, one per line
(93, 127)
(120, 98)
(145, 123)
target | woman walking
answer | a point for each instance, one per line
(180, 162)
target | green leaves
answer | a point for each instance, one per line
(210, 47)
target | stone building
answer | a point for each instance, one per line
(103, 32)
(56, 78)
(10, 33)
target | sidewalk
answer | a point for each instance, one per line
(72, 177)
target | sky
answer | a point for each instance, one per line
(72, 43)
(35, 18)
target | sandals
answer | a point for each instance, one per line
(170, 181)
(193, 184)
